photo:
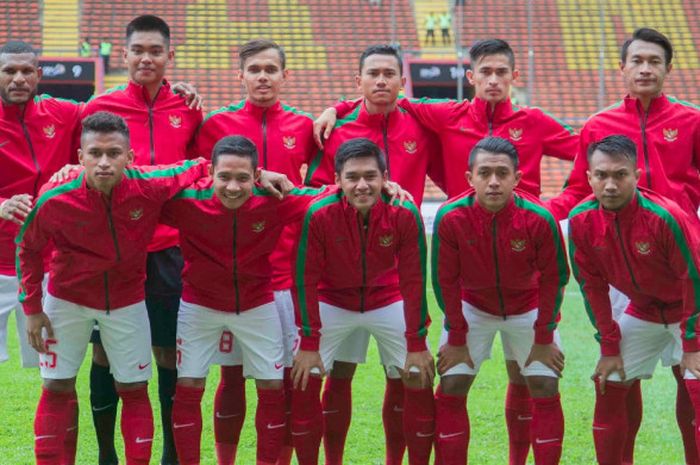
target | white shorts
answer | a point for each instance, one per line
(9, 287)
(125, 334)
(517, 335)
(618, 302)
(257, 332)
(386, 324)
(644, 344)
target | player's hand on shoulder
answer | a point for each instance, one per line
(691, 362)
(323, 126)
(275, 183)
(549, 355)
(305, 361)
(607, 365)
(16, 208)
(188, 91)
(35, 331)
(395, 191)
(422, 365)
(450, 356)
(64, 173)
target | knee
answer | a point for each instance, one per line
(165, 357)
(59, 385)
(456, 385)
(273, 384)
(99, 356)
(343, 370)
(130, 386)
(514, 375)
(542, 386)
(198, 383)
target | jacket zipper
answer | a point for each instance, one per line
(150, 126)
(643, 123)
(113, 232)
(31, 150)
(385, 135)
(264, 138)
(364, 226)
(498, 272)
(489, 118)
(235, 263)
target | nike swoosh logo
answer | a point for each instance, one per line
(278, 366)
(222, 417)
(546, 441)
(524, 418)
(281, 425)
(294, 433)
(424, 435)
(182, 425)
(141, 367)
(328, 412)
(46, 436)
(452, 435)
(99, 409)
(397, 409)
(142, 440)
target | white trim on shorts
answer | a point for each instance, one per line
(9, 290)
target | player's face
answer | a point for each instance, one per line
(263, 77)
(380, 80)
(492, 77)
(147, 55)
(104, 156)
(19, 77)
(361, 182)
(645, 69)
(234, 178)
(493, 177)
(613, 179)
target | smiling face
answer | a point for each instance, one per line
(233, 179)
(380, 81)
(361, 182)
(104, 156)
(147, 55)
(645, 69)
(613, 179)
(19, 77)
(263, 77)
(492, 77)
(493, 177)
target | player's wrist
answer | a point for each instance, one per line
(309, 344)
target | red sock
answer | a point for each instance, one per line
(337, 410)
(53, 414)
(518, 421)
(229, 413)
(610, 423)
(451, 429)
(634, 421)
(137, 425)
(285, 457)
(187, 423)
(547, 429)
(419, 424)
(307, 422)
(693, 389)
(271, 425)
(685, 417)
(392, 416)
(70, 442)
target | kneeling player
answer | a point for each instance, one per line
(498, 265)
(644, 245)
(100, 222)
(363, 257)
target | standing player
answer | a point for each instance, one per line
(498, 265)
(361, 265)
(162, 127)
(667, 134)
(460, 125)
(411, 153)
(647, 247)
(284, 140)
(100, 223)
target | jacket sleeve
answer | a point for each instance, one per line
(559, 139)
(322, 170)
(294, 205)
(434, 114)
(171, 214)
(205, 138)
(412, 256)
(436, 163)
(192, 151)
(345, 107)
(308, 267)
(595, 291)
(554, 274)
(576, 187)
(31, 241)
(446, 280)
(171, 179)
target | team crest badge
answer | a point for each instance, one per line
(670, 134)
(411, 146)
(50, 131)
(386, 241)
(643, 248)
(175, 121)
(136, 214)
(516, 133)
(518, 245)
(289, 142)
(258, 227)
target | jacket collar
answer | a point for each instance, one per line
(626, 213)
(503, 214)
(258, 111)
(374, 119)
(501, 111)
(139, 92)
(632, 104)
(13, 111)
(350, 211)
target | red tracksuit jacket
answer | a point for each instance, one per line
(227, 265)
(101, 243)
(162, 132)
(360, 265)
(649, 251)
(283, 136)
(668, 150)
(411, 151)
(505, 263)
(460, 125)
(34, 144)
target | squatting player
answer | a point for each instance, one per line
(361, 265)
(646, 246)
(498, 265)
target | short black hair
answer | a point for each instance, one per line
(359, 147)
(489, 47)
(104, 122)
(17, 47)
(495, 145)
(239, 146)
(382, 49)
(648, 34)
(617, 146)
(256, 46)
(148, 23)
